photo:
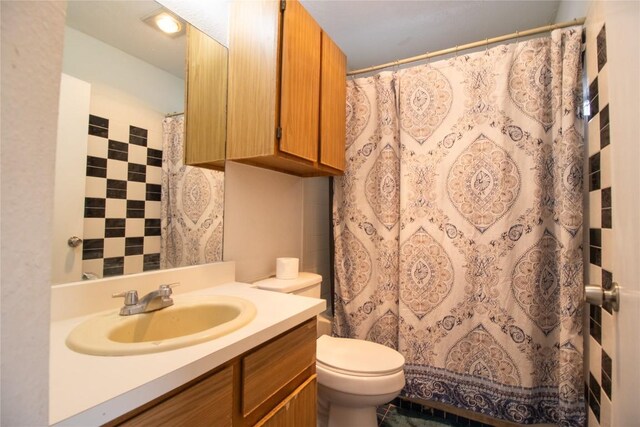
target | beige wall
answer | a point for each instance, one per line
(571, 9)
(262, 219)
(32, 37)
(269, 215)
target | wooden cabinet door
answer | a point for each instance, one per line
(206, 101)
(333, 98)
(297, 410)
(208, 402)
(300, 83)
(253, 73)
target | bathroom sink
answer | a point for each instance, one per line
(189, 321)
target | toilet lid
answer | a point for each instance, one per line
(357, 357)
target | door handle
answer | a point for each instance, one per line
(74, 241)
(596, 295)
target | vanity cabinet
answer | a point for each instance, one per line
(207, 402)
(297, 410)
(205, 101)
(271, 385)
(287, 90)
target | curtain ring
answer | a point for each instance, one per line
(486, 46)
(456, 51)
(517, 37)
(428, 58)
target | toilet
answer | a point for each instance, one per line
(354, 376)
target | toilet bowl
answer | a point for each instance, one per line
(354, 376)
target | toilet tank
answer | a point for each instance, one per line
(306, 284)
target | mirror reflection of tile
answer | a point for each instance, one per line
(122, 203)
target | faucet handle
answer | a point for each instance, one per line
(167, 289)
(130, 297)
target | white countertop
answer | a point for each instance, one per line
(92, 390)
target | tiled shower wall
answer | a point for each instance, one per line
(600, 343)
(316, 236)
(122, 201)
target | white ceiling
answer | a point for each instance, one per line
(370, 32)
(374, 32)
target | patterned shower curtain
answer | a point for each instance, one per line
(458, 227)
(192, 205)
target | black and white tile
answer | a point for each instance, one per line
(122, 203)
(600, 341)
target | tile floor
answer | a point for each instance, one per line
(402, 413)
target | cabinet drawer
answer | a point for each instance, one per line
(208, 402)
(297, 410)
(273, 366)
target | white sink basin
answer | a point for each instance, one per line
(187, 322)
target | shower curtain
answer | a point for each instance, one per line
(192, 204)
(458, 227)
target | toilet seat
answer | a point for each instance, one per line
(358, 358)
(359, 385)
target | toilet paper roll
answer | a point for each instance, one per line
(287, 268)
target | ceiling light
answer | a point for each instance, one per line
(167, 22)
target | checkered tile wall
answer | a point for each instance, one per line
(122, 203)
(600, 342)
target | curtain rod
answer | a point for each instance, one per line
(488, 41)
(166, 116)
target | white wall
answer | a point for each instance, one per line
(32, 39)
(618, 85)
(71, 168)
(623, 49)
(110, 69)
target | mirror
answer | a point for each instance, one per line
(121, 187)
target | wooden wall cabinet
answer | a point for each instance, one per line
(272, 385)
(205, 101)
(287, 90)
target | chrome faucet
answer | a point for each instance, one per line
(155, 300)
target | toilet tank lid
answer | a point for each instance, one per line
(304, 280)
